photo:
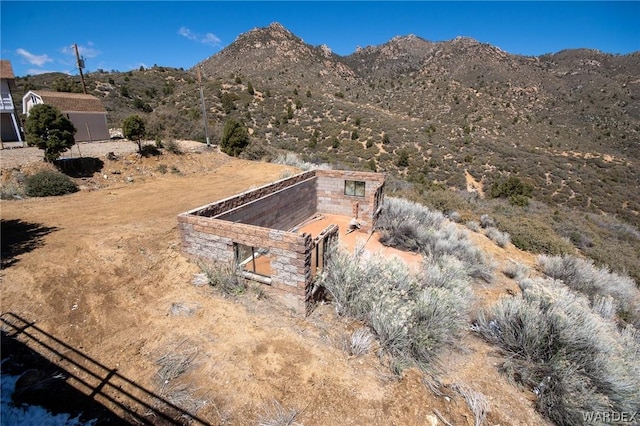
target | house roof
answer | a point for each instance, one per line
(6, 71)
(71, 102)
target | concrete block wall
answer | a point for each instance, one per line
(332, 200)
(227, 204)
(281, 210)
(205, 238)
(260, 217)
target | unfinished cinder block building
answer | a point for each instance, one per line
(267, 234)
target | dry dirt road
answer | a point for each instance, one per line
(102, 271)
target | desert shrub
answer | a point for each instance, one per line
(454, 216)
(11, 191)
(534, 235)
(291, 159)
(162, 168)
(360, 342)
(473, 225)
(573, 359)
(596, 283)
(487, 221)
(476, 401)
(46, 183)
(512, 186)
(516, 271)
(274, 414)
(172, 146)
(224, 277)
(502, 239)
(413, 315)
(410, 226)
(402, 222)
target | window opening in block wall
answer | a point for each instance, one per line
(254, 260)
(317, 258)
(354, 188)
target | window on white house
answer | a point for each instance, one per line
(354, 188)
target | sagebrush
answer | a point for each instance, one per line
(47, 183)
(414, 315)
(575, 360)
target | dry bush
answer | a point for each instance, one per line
(360, 342)
(516, 271)
(572, 358)
(502, 239)
(224, 277)
(274, 414)
(582, 276)
(414, 316)
(410, 226)
(476, 401)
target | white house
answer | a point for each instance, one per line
(9, 124)
(86, 112)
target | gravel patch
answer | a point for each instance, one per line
(16, 157)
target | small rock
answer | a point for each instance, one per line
(129, 179)
(115, 172)
(431, 420)
(105, 176)
(199, 280)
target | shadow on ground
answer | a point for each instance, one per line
(19, 237)
(79, 167)
(62, 379)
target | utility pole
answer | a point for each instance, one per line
(80, 66)
(204, 109)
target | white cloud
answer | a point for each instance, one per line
(211, 39)
(186, 32)
(36, 71)
(85, 51)
(37, 60)
(208, 38)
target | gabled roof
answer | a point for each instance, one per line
(70, 102)
(6, 71)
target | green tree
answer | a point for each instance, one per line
(235, 138)
(66, 84)
(403, 159)
(133, 129)
(289, 112)
(228, 103)
(142, 105)
(250, 88)
(385, 139)
(49, 130)
(511, 187)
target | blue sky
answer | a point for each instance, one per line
(122, 35)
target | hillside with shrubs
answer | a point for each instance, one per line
(565, 126)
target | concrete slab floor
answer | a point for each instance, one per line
(319, 222)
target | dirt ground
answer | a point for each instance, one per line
(102, 271)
